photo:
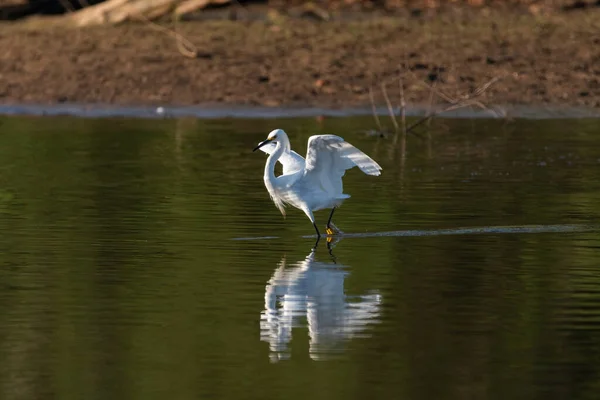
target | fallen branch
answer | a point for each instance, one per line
(451, 107)
(476, 93)
(465, 100)
(118, 11)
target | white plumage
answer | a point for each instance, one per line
(315, 183)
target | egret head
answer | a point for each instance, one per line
(275, 136)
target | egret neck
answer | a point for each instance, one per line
(282, 145)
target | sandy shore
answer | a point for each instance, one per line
(279, 61)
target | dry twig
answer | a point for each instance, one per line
(402, 105)
(374, 110)
(390, 108)
(184, 46)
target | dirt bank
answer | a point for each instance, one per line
(553, 59)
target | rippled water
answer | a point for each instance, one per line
(143, 259)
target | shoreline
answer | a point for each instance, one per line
(261, 112)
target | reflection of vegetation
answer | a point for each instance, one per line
(117, 277)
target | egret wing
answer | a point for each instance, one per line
(291, 161)
(329, 156)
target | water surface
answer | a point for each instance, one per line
(120, 276)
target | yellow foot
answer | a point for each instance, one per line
(331, 229)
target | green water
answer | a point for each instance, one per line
(120, 278)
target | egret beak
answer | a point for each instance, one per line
(261, 144)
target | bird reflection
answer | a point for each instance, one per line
(312, 292)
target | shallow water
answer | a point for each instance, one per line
(129, 266)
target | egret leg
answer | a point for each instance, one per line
(310, 216)
(318, 237)
(317, 229)
(330, 216)
(330, 247)
(331, 229)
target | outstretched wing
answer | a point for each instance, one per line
(291, 161)
(329, 156)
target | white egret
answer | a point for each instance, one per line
(315, 183)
